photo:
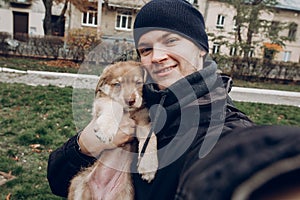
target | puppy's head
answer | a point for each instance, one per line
(123, 82)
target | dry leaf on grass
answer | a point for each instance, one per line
(4, 177)
(36, 148)
(61, 63)
(8, 196)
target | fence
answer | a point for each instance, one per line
(80, 48)
(259, 69)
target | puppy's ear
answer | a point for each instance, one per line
(102, 82)
(105, 88)
(102, 87)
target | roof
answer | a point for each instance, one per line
(289, 4)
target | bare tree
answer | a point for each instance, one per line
(248, 18)
(82, 5)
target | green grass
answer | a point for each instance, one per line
(32, 115)
(43, 115)
(266, 114)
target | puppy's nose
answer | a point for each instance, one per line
(130, 101)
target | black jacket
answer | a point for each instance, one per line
(188, 118)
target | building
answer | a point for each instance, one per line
(24, 16)
(219, 19)
(114, 19)
(114, 22)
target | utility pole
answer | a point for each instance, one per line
(99, 15)
(68, 27)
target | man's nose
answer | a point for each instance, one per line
(159, 54)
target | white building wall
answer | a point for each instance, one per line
(76, 16)
(37, 6)
(6, 21)
(36, 23)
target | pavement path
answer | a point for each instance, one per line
(89, 81)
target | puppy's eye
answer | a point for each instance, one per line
(117, 84)
(139, 83)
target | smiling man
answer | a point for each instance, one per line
(166, 58)
(188, 101)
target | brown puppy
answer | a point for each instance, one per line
(118, 94)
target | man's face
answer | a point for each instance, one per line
(168, 56)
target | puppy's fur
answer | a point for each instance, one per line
(109, 178)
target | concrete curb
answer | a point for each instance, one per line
(46, 73)
(266, 91)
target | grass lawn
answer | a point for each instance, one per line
(29, 116)
(36, 120)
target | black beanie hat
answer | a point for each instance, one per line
(178, 16)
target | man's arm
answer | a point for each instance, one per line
(79, 152)
(63, 164)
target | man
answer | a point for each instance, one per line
(188, 101)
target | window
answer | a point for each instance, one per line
(274, 24)
(292, 31)
(286, 56)
(251, 53)
(232, 51)
(124, 21)
(220, 21)
(234, 25)
(274, 29)
(89, 18)
(216, 48)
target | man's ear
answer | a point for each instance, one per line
(202, 53)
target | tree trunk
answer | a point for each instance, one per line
(61, 18)
(254, 15)
(47, 20)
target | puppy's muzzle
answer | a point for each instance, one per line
(133, 101)
(130, 101)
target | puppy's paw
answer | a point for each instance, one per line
(147, 167)
(148, 176)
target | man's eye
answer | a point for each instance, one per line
(145, 51)
(171, 40)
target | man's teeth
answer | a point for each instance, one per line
(165, 70)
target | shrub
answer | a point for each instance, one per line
(81, 41)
